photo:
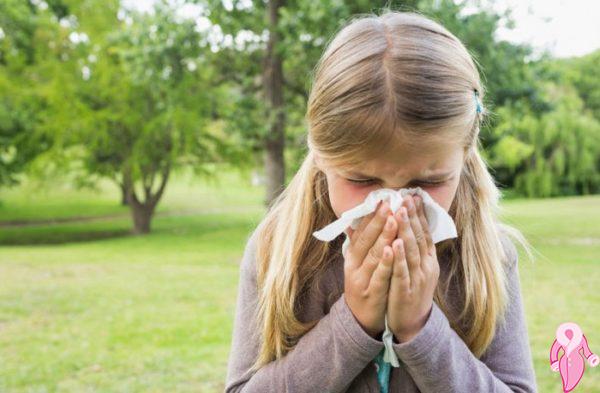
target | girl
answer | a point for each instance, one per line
(395, 103)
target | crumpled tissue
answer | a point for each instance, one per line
(441, 227)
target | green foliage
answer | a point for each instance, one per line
(32, 49)
(582, 73)
(147, 99)
(510, 151)
(556, 153)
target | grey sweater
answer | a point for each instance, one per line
(337, 355)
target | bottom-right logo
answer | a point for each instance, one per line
(571, 364)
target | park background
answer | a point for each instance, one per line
(141, 143)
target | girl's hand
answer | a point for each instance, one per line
(368, 268)
(415, 274)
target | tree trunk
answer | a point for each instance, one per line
(142, 217)
(124, 201)
(142, 210)
(273, 84)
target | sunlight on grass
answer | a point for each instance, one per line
(561, 285)
(185, 193)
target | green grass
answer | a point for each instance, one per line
(133, 314)
(86, 307)
(184, 194)
(561, 285)
(32, 202)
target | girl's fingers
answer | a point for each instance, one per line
(429, 265)
(366, 238)
(365, 235)
(362, 224)
(375, 254)
(400, 275)
(415, 223)
(380, 280)
(411, 250)
(424, 223)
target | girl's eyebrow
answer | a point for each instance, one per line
(435, 176)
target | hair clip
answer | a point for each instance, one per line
(477, 102)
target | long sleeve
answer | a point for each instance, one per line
(439, 361)
(327, 358)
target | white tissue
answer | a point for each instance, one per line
(441, 227)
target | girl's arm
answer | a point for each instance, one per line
(439, 361)
(327, 358)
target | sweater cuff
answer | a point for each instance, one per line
(364, 343)
(429, 337)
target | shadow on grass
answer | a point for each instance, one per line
(58, 237)
(164, 227)
(61, 220)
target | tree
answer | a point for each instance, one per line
(554, 154)
(34, 53)
(149, 103)
(582, 73)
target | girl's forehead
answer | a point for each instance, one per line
(425, 154)
(426, 160)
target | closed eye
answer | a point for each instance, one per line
(367, 181)
(370, 181)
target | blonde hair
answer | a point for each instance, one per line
(397, 77)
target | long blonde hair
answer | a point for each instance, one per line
(396, 77)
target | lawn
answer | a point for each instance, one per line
(86, 307)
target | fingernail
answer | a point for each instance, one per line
(390, 223)
(398, 244)
(382, 211)
(404, 214)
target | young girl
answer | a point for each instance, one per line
(395, 103)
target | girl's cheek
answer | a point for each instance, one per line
(443, 195)
(437, 193)
(344, 196)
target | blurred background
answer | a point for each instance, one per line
(142, 141)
